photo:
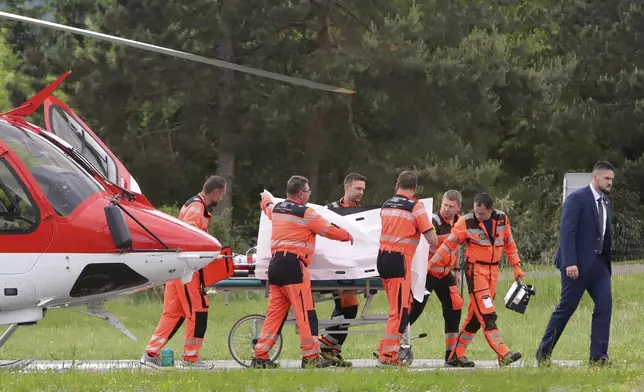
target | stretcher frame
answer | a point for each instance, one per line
(327, 290)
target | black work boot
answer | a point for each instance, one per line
(394, 363)
(509, 358)
(259, 363)
(459, 362)
(335, 358)
(317, 362)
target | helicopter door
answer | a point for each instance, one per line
(26, 229)
(64, 123)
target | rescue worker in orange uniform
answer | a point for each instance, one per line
(487, 233)
(347, 304)
(292, 244)
(444, 278)
(404, 219)
(187, 301)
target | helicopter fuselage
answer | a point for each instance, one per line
(58, 247)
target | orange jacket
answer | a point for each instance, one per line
(479, 247)
(342, 203)
(195, 212)
(443, 229)
(404, 219)
(295, 227)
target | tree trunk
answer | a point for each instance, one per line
(227, 140)
(316, 137)
(315, 141)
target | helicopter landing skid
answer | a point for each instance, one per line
(17, 364)
(97, 309)
(8, 333)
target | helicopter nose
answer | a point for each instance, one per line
(191, 246)
(198, 260)
(196, 247)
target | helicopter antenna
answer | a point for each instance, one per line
(176, 53)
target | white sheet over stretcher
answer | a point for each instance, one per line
(333, 260)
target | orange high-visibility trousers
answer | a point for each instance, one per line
(181, 302)
(395, 270)
(289, 285)
(481, 281)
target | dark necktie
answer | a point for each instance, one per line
(601, 225)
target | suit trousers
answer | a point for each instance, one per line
(596, 279)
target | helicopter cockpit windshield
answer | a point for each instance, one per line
(65, 184)
(68, 129)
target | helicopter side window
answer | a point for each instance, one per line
(68, 129)
(18, 213)
(65, 184)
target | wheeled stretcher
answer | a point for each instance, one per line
(335, 266)
(244, 334)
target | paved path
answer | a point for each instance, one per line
(417, 365)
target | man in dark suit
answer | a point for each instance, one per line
(584, 258)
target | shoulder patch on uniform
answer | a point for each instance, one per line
(288, 207)
(468, 216)
(401, 203)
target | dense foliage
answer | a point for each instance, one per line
(502, 96)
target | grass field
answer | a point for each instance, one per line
(65, 334)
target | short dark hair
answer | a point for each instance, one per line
(484, 199)
(295, 184)
(603, 165)
(214, 183)
(407, 180)
(453, 195)
(351, 177)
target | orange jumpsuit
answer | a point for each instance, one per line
(483, 254)
(346, 305)
(185, 301)
(443, 283)
(292, 243)
(403, 221)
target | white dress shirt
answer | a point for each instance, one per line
(598, 195)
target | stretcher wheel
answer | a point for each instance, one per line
(406, 355)
(243, 337)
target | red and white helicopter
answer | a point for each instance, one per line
(75, 228)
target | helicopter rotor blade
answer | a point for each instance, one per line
(176, 53)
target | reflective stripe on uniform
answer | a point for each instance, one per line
(279, 243)
(397, 213)
(398, 240)
(289, 218)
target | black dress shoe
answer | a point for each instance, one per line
(603, 361)
(543, 360)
